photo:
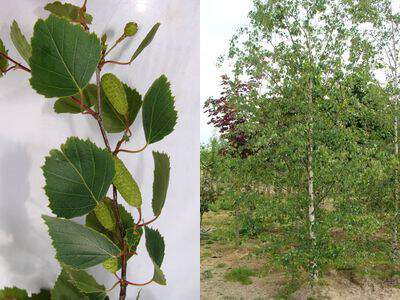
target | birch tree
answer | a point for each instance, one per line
(299, 58)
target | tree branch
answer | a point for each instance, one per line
(148, 222)
(19, 65)
(131, 151)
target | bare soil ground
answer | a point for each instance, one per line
(221, 256)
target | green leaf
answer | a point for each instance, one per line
(94, 223)
(159, 276)
(3, 61)
(13, 293)
(98, 296)
(84, 281)
(64, 289)
(64, 57)
(105, 214)
(79, 246)
(155, 247)
(115, 122)
(115, 93)
(112, 265)
(68, 11)
(67, 105)
(112, 120)
(77, 177)
(126, 217)
(159, 114)
(126, 220)
(126, 185)
(20, 42)
(161, 181)
(133, 236)
(146, 41)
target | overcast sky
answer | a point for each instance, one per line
(219, 21)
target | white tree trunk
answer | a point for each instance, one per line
(310, 185)
(395, 246)
(311, 208)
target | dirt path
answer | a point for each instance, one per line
(219, 256)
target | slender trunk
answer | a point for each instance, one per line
(310, 185)
(122, 294)
(395, 248)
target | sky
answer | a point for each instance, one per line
(220, 19)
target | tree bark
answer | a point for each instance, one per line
(310, 186)
(395, 246)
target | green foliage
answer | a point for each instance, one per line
(19, 294)
(63, 58)
(79, 246)
(59, 66)
(65, 288)
(161, 181)
(3, 61)
(211, 173)
(105, 214)
(115, 122)
(241, 275)
(13, 293)
(317, 129)
(159, 114)
(77, 177)
(155, 247)
(146, 41)
(207, 274)
(83, 281)
(115, 93)
(133, 236)
(20, 42)
(126, 185)
(68, 105)
(68, 11)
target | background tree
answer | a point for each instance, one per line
(382, 28)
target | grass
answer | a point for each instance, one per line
(241, 275)
(207, 274)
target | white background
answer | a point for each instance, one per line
(29, 129)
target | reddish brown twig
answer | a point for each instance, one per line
(148, 222)
(17, 64)
(138, 284)
(82, 12)
(140, 215)
(131, 151)
(116, 62)
(86, 109)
